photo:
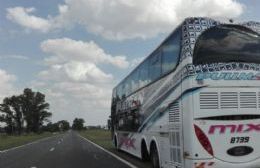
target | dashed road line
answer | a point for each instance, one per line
(17, 147)
(52, 149)
(95, 156)
(110, 153)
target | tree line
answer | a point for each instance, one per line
(63, 125)
(28, 112)
(25, 112)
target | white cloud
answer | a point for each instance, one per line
(73, 83)
(126, 19)
(136, 61)
(69, 100)
(79, 71)
(76, 72)
(14, 56)
(6, 84)
(65, 49)
(24, 17)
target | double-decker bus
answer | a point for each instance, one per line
(194, 102)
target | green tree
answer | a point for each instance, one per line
(52, 127)
(35, 109)
(29, 107)
(2, 118)
(13, 116)
(64, 125)
(78, 124)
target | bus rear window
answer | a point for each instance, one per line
(227, 43)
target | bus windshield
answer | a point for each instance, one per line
(227, 43)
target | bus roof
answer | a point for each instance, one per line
(195, 25)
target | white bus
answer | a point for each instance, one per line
(194, 102)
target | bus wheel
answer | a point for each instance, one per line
(144, 152)
(154, 156)
(115, 142)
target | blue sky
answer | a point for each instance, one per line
(75, 51)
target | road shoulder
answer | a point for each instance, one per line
(8, 143)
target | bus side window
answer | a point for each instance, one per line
(119, 92)
(127, 84)
(143, 74)
(134, 80)
(124, 90)
(171, 52)
(155, 65)
(114, 93)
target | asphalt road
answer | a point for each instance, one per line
(62, 151)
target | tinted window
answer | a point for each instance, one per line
(114, 94)
(143, 72)
(128, 86)
(128, 121)
(123, 86)
(119, 91)
(227, 43)
(155, 65)
(170, 52)
(134, 80)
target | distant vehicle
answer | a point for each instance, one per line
(195, 100)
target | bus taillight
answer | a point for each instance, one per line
(203, 139)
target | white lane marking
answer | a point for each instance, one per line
(52, 149)
(7, 150)
(110, 153)
(33, 167)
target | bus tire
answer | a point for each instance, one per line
(144, 151)
(115, 142)
(154, 156)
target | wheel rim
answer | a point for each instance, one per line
(155, 159)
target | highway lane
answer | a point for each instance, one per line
(62, 151)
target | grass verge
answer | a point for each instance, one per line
(103, 139)
(100, 137)
(7, 141)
